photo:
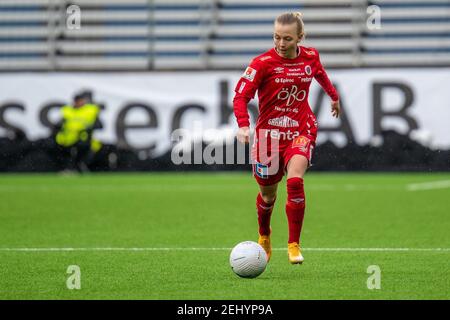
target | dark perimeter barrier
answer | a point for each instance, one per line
(396, 153)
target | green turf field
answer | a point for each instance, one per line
(167, 216)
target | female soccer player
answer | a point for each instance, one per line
(286, 128)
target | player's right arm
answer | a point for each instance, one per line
(245, 91)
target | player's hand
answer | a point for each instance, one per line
(335, 108)
(243, 135)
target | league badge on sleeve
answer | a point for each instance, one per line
(249, 74)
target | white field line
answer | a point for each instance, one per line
(442, 184)
(221, 249)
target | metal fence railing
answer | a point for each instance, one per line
(215, 34)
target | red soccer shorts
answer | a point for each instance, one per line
(271, 153)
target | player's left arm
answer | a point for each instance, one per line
(322, 78)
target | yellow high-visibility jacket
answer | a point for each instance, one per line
(76, 123)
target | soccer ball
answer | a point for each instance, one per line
(248, 259)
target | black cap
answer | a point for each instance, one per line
(85, 94)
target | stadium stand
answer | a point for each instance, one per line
(215, 34)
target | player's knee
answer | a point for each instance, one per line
(268, 197)
(296, 174)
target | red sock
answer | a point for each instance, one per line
(295, 208)
(264, 214)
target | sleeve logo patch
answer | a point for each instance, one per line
(249, 74)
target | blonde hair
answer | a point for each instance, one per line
(293, 17)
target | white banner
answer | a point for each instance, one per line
(142, 109)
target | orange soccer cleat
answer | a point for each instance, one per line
(295, 254)
(264, 241)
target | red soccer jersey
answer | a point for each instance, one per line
(283, 87)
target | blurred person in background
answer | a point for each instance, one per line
(74, 135)
(286, 127)
(70, 145)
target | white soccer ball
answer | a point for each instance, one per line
(248, 259)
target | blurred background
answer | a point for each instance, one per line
(131, 85)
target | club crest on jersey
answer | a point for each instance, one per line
(308, 70)
(261, 170)
(249, 74)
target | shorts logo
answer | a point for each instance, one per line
(301, 142)
(249, 74)
(261, 170)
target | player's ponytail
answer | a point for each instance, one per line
(293, 17)
(298, 15)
